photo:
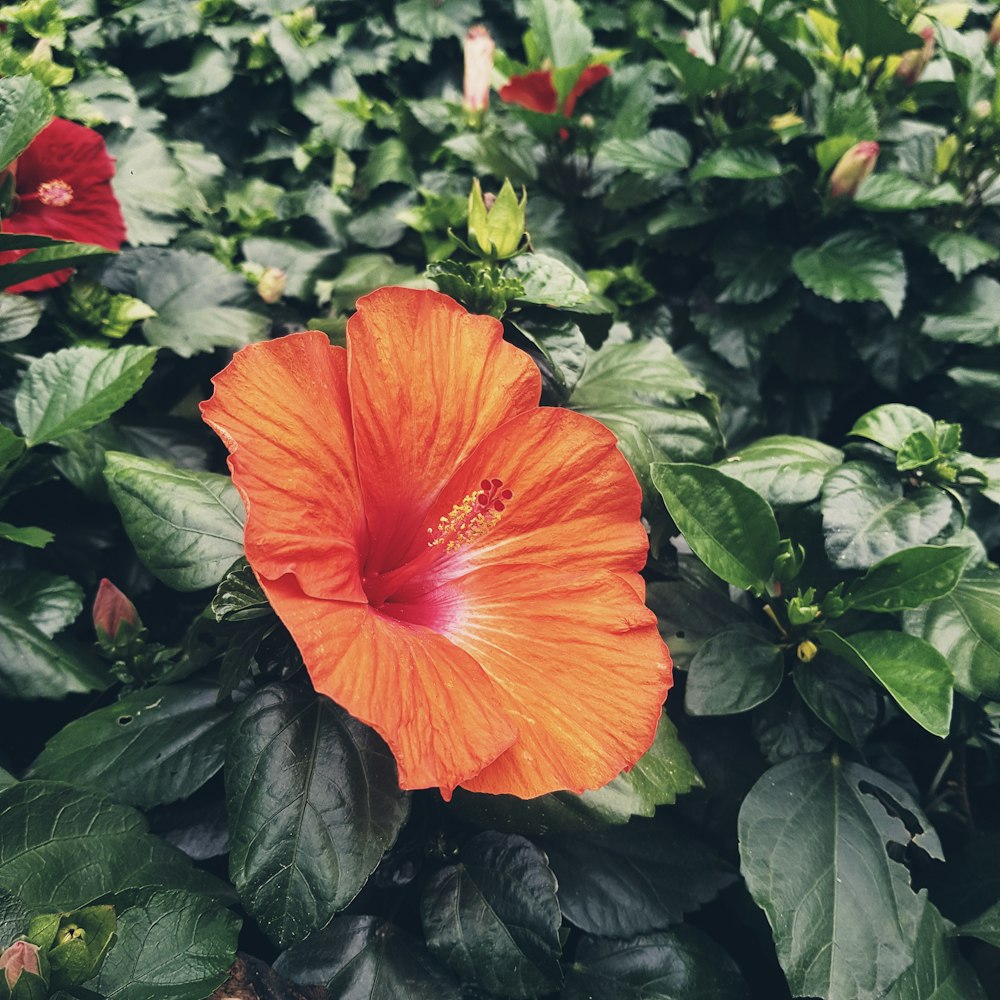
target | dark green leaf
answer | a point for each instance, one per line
(738, 163)
(683, 964)
(968, 315)
(26, 107)
(65, 848)
(211, 70)
(813, 834)
(910, 669)
(783, 469)
(11, 445)
(366, 958)
(47, 601)
(965, 627)
(870, 24)
(563, 348)
(560, 32)
(961, 252)
(14, 917)
(636, 879)
(36, 538)
(986, 927)
(866, 515)
(908, 578)
(839, 696)
(854, 266)
(890, 425)
(78, 387)
(313, 803)
(895, 192)
(172, 945)
(651, 155)
(494, 919)
(734, 671)
(149, 748)
(19, 315)
(186, 526)
(49, 259)
(728, 526)
(547, 281)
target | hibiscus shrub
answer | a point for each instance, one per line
(634, 327)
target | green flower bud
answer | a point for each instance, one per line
(496, 224)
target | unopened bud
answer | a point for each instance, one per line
(853, 168)
(271, 285)
(914, 62)
(113, 611)
(479, 48)
(496, 226)
(21, 956)
(994, 36)
(981, 109)
(806, 651)
(587, 121)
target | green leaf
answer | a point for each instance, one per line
(968, 315)
(200, 305)
(985, 927)
(186, 526)
(658, 152)
(47, 601)
(149, 748)
(547, 281)
(748, 272)
(964, 627)
(11, 445)
(961, 252)
(78, 387)
(33, 666)
(839, 696)
(856, 266)
(895, 192)
(870, 24)
(36, 538)
(563, 348)
(171, 945)
(366, 958)
(635, 879)
(813, 833)
(211, 70)
(728, 526)
(738, 163)
(890, 425)
(559, 31)
(26, 107)
(494, 919)
(783, 469)
(50, 258)
(14, 916)
(64, 848)
(908, 578)
(911, 670)
(734, 671)
(683, 964)
(866, 516)
(19, 315)
(313, 803)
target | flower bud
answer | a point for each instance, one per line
(21, 956)
(852, 169)
(914, 62)
(479, 49)
(497, 228)
(113, 611)
(994, 36)
(981, 109)
(271, 285)
(806, 651)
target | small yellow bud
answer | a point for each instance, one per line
(806, 651)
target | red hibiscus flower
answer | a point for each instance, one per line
(458, 566)
(536, 91)
(63, 187)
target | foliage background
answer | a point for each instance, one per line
(808, 389)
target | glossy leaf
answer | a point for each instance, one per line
(734, 671)
(25, 109)
(871, 24)
(895, 192)
(148, 748)
(783, 469)
(47, 601)
(968, 315)
(313, 803)
(186, 526)
(840, 696)
(54, 257)
(961, 252)
(890, 425)
(657, 152)
(909, 578)
(78, 387)
(19, 315)
(494, 919)
(741, 163)
(729, 527)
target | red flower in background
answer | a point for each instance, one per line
(458, 566)
(536, 91)
(63, 187)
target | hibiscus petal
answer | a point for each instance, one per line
(281, 408)
(581, 669)
(576, 502)
(427, 382)
(588, 78)
(534, 91)
(429, 700)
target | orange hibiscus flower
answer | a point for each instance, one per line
(458, 566)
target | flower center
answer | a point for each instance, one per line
(472, 516)
(55, 192)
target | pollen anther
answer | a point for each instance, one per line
(472, 517)
(55, 192)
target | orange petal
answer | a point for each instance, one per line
(427, 381)
(575, 506)
(281, 408)
(581, 669)
(429, 700)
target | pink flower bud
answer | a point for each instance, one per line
(994, 36)
(478, 68)
(914, 62)
(112, 610)
(21, 956)
(271, 285)
(852, 169)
